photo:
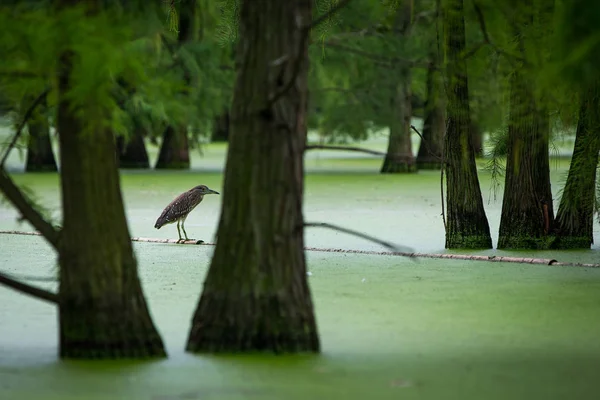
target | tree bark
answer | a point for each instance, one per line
(221, 128)
(132, 152)
(431, 148)
(574, 222)
(399, 157)
(466, 223)
(40, 157)
(527, 217)
(102, 311)
(477, 138)
(257, 297)
(175, 148)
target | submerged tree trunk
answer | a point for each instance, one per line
(175, 148)
(527, 217)
(466, 223)
(434, 124)
(257, 297)
(574, 222)
(40, 157)
(132, 152)
(399, 156)
(102, 310)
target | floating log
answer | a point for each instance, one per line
(465, 257)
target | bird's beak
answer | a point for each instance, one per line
(213, 191)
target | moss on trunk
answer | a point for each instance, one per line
(466, 223)
(257, 297)
(574, 224)
(40, 157)
(102, 310)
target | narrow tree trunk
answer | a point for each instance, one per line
(399, 156)
(132, 152)
(575, 218)
(434, 124)
(221, 128)
(527, 217)
(40, 157)
(175, 148)
(257, 297)
(102, 311)
(477, 138)
(466, 223)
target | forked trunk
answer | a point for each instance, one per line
(40, 157)
(574, 222)
(132, 151)
(256, 295)
(434, 124)
(102, 310)
(466, 223)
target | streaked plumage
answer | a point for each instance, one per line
(181, 206)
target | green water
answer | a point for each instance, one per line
(390, 328)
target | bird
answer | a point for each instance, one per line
(181, 206)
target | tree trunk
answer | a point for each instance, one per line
(221, 128)
(257, 297)
(466, 223)
(40, 157)
(175, 148)
(477, 138)
(527, 217)
(102, 311)
(399, 156)
(575, 218)
(434, 124)
(132, 153)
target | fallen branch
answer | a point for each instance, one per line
(466, 257)
(344, 148)
(16, 197)
(26, 117)
(24, 288)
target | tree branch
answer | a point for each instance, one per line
(425, 142)
(328, 14)
(16, 197)
(387, 245)
(344, 148)
(26, 117)
(24, 288)
(383, 60)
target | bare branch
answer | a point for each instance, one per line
(425, 142)
(328, 14)
(17, 198)
(26, 117)
(387, 245)
(33, 291)
(345, 148)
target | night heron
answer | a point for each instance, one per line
(181, 206)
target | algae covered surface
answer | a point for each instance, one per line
(390, 327)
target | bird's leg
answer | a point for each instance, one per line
(179, 233)
(183, 227)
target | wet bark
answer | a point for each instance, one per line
(102, 310)
(466, 223)
(399, 156)
(434, 124)
(257, 297)
(527, 217)
(40, 157)
(175, 148)
(132, 151)
(574, 222)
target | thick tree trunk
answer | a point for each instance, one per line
(574, 222)
(175, 148)
(434, 124)
(221, 128)
(257, 297)
(399, 156)
(40, 157)
(132, 152)
(102, 311)
(466, 223)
